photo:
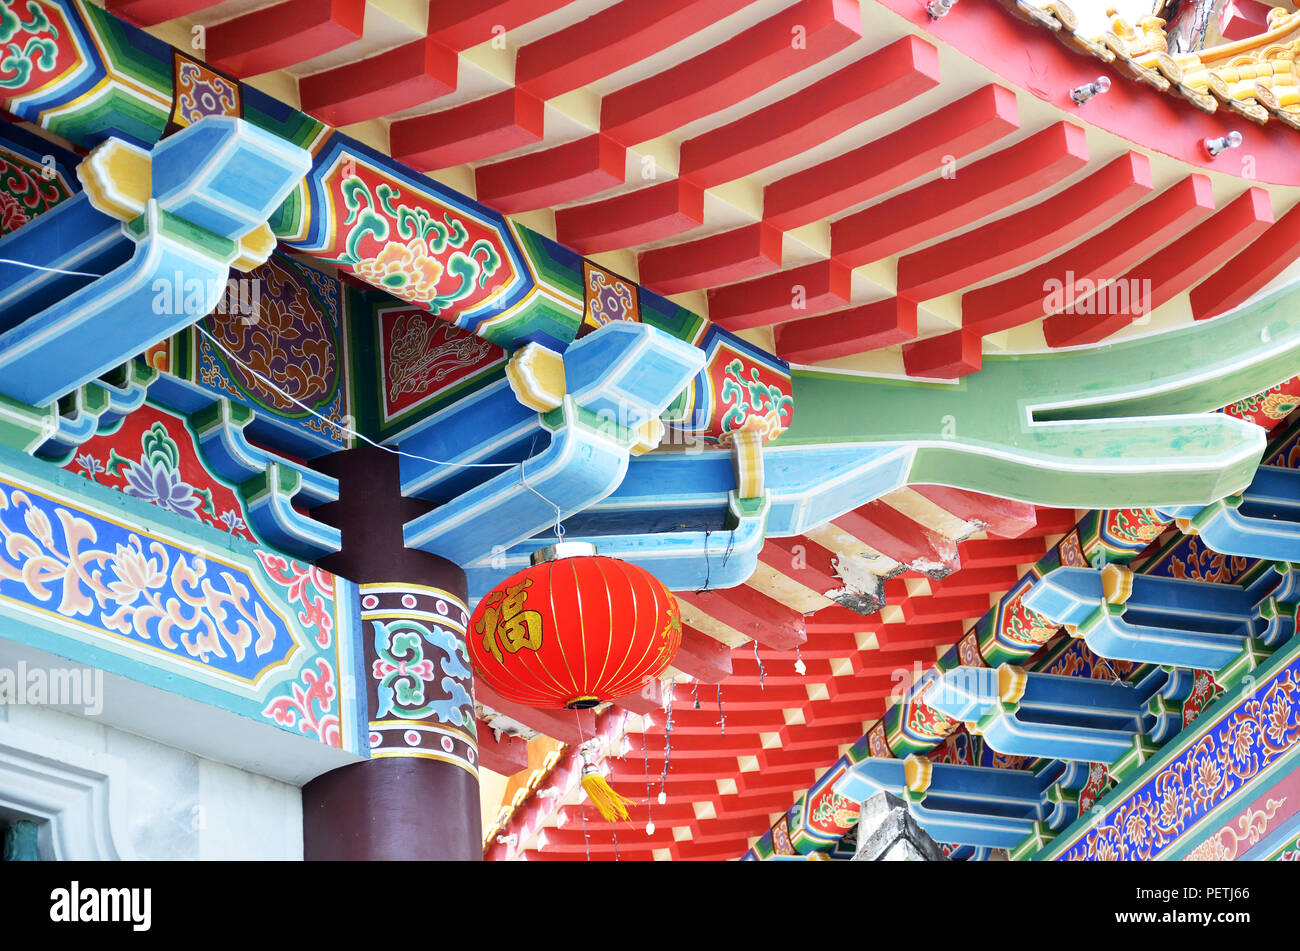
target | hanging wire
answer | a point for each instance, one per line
(695, 693)
(668, 744)
(582, 805)
(333, 424)
(649, 806)
(52, 270)
(762, 671)
(708, 565)
(722, 717)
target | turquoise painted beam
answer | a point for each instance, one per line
(683, 561)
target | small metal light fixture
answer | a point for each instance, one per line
(1224, 142)
(938, 9)
(510, 840)
(1081, 94)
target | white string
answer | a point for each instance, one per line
(397, 452)
(52, 270)
(559, 527)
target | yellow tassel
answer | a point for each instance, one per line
(608, 803)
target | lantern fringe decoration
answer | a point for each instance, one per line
(603, 796)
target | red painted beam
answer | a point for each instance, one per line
(704, 721)
(703, 657)
(606, 42)
(935, 633)
(287, 33)
(844, 711)
(646, 701)
(815, 114)
(920, 148)
(1165, 275)
(146, 13)
(945, 357)
(954, 202)
(639, 217)
(780, 46)
(782, 671)
(562, 725)
(831, 621)
(752, 613)
(783, 778)
(1112, 251)
(785, 295)
(468, 133)
(1001, 517)
(1056, 222)
(938, 608)
(1247, 273)
(506, 756)
(892, 533)
(467, 23)
(980, 581)
(803, 561)
(846, 332)
(718, 259)
(410, 75)
(1053, 521)
(733, 829)
(567, 172)
(992, 552)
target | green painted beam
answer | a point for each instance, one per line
(1127, 424)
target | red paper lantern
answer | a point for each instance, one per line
(573, 630)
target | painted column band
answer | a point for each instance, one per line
(420, 688)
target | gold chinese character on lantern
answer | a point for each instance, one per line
(505, 616)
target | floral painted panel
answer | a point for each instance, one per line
(1217, 764)
(152, 456)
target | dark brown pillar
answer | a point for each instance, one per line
(417, 796)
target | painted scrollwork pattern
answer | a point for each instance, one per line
(200, 92)
(26, 190)
(609, 298)
(285, 347)
(307, 708)
(751, 402)
(1261, 730)
(29, 44)
(410, 250)
(308, 589)
(422, 353)
(1245, 831)
(142, 589)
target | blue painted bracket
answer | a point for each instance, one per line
(1047, 716)
(966, 805)
(617, 378)
(96, 406)
(620, 373)
(212, 184)
(1146, 619)
(274, 489)
(584, 461)
(1263, 521)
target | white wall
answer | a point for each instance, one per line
(175, 805)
